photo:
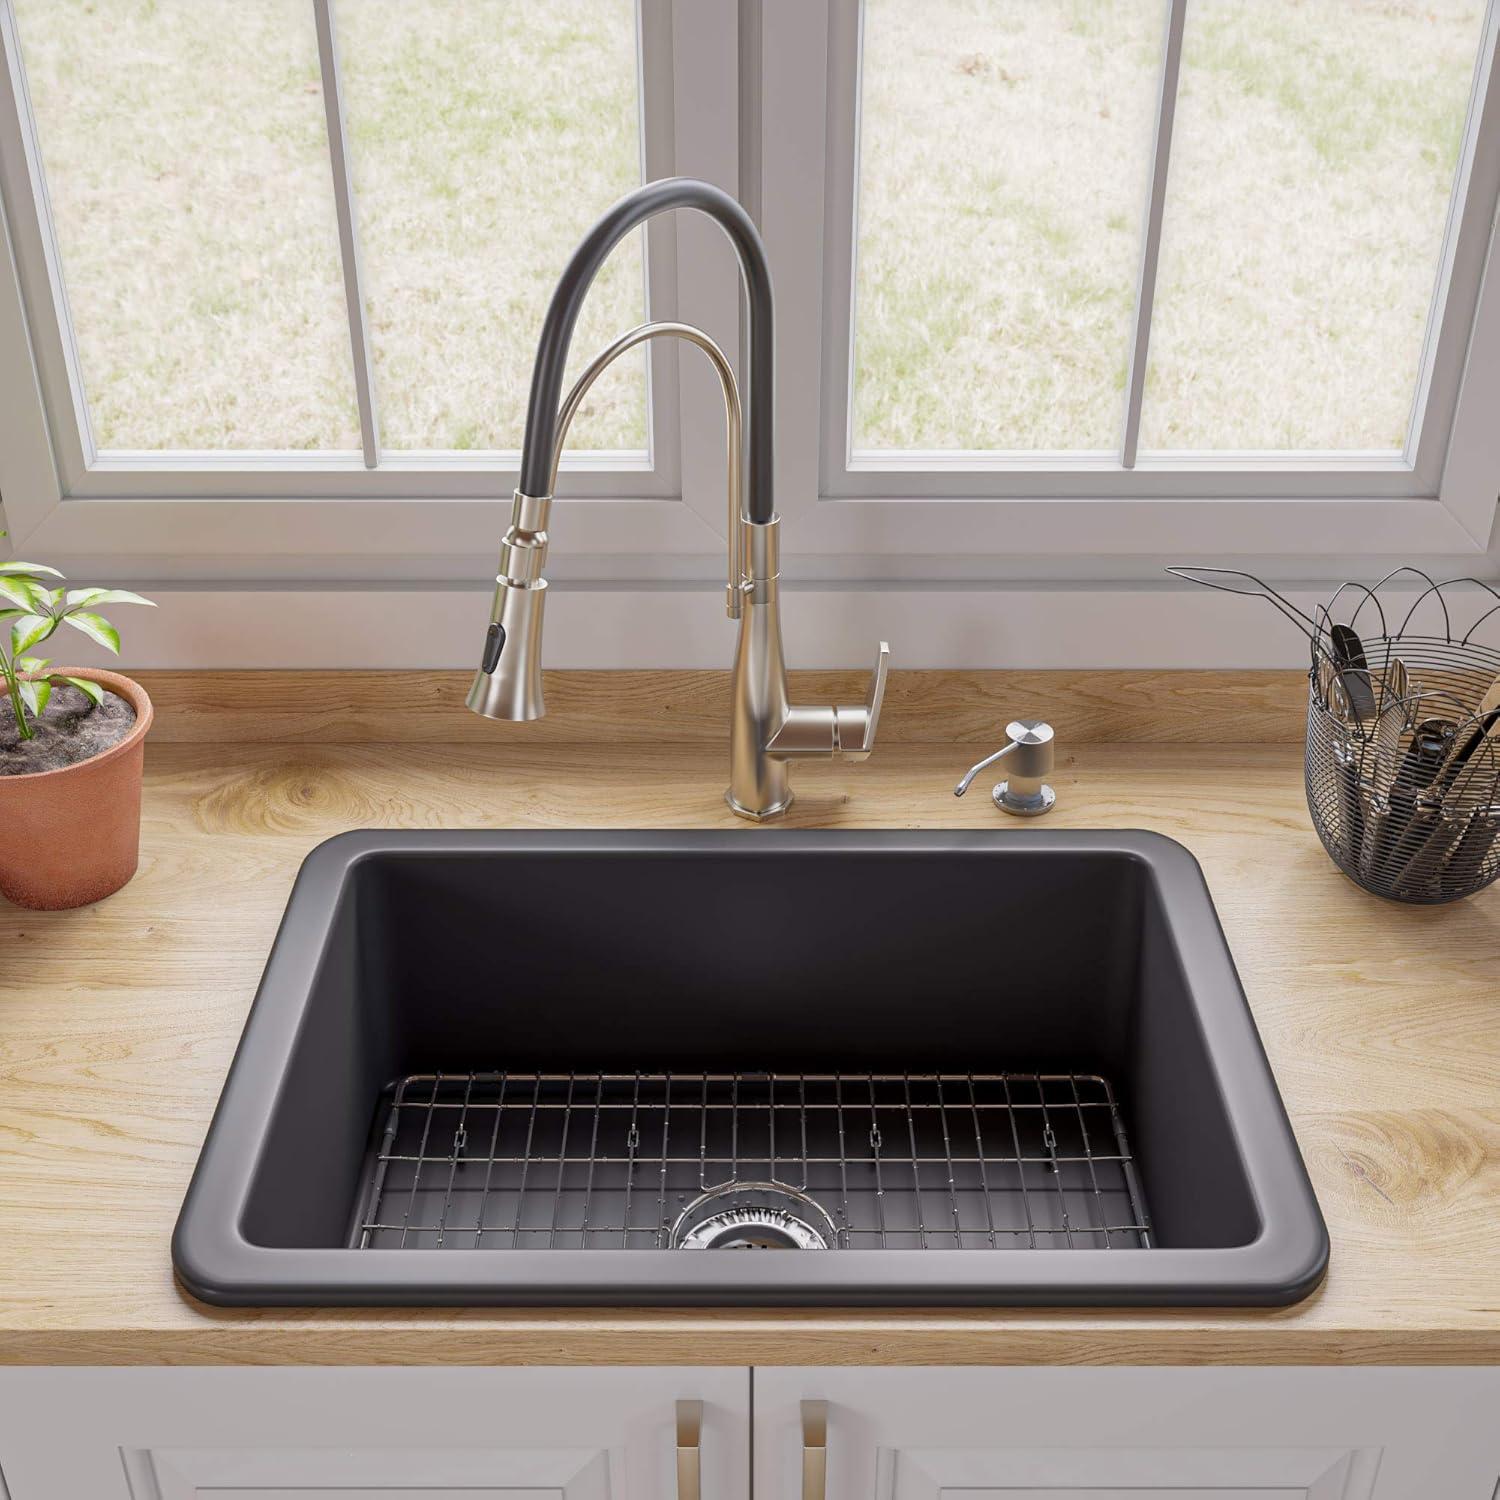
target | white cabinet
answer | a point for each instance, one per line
(372, 1434)
(549, 1433)
(1129, 1434)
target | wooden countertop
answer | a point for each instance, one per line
(117, 1022)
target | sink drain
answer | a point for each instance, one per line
(753, 1216)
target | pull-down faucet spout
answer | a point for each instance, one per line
(562, 313)
(766, 731)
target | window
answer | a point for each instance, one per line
(186, 170)
(457, 272)
(1004, 151)
(214, 300)
(1313, 168)
(1005, 157)
(1109, 263)
(274, 253)
(1088, 281)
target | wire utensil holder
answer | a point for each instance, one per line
(1403, 733)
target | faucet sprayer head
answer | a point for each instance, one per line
(508, 684)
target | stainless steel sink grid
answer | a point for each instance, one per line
(915, 1161)
(771, 983)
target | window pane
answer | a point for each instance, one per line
(486, 138)
(1004, 156)
(1312, 165)
(186, 160)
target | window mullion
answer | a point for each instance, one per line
(1145, 296)
(343, 194)
(700, 98)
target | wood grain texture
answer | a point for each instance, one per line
(652, 708)
(117, 1023)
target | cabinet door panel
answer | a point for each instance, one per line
(1154, 1473)
(1218, 1492)
(1143, 1433)
(343, 1492)
(1140, 1473)
(368, 1473)
(396, 1434)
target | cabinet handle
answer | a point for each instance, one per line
(814, 1450)
(689, 1450)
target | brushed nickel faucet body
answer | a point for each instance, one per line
(767, 732)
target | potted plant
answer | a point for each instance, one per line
(71, 748)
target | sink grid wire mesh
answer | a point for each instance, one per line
(609, 1160)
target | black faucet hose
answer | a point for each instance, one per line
(562, 313)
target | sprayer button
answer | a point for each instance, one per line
(494, 643)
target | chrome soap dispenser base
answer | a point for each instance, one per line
(1023, 805)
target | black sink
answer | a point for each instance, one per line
(1010, 1067)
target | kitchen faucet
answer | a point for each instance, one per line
(766, 731)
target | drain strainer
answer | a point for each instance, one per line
(753, 1216)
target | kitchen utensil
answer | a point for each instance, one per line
(1233, 581)
(1468, 857)
(1377, 817)
(1353, 670)
(1434, 831)
(1346, 760)
(1395, 682)
(1463, 748)
(1412, 821)
(1439, 832)
(1390, 720)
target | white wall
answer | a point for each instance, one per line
(605, 626)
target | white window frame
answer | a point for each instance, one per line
(787, 149)
(1437, 499)
(427, 515)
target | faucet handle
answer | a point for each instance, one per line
(855, 725)
(876, 696)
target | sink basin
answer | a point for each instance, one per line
(1009, 1067)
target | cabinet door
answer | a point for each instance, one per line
(1127, 1434)
(374, 1434)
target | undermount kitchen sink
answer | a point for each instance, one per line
(975, 1067)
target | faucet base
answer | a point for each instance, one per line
(758, 815)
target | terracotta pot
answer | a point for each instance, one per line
(73, 835)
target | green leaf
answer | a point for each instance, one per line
(90, 690)
(42, 692)
(30, 629)
(24, 567)
(95, 627)
(22, 591)
(32, 664)
(27, 690)
(82, 598)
